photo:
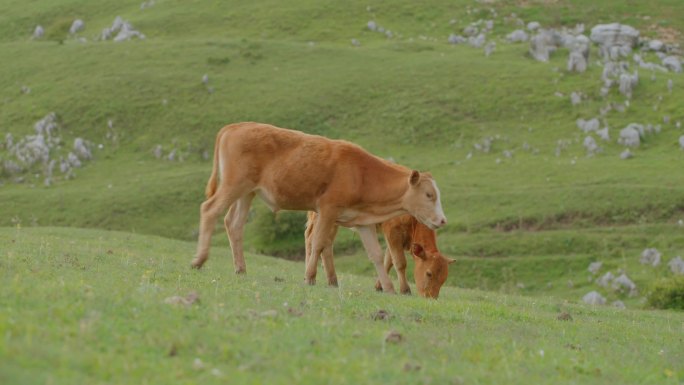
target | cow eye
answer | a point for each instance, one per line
(429, 195)
(428, 273)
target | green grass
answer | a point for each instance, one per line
(87, 306)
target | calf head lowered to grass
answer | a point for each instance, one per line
(431, 266)
(401, 233)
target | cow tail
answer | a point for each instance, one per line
(211, 185)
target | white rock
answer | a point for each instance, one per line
(626, 154)
(629, 136)
(517, 36)
(614, 34)
(355, 42)
(591, 146)
(594, 267)
(372, 25)
(624, 284)
(605, 279)
(575, 98)
(681, 142)
(76, 26)
(594, 298)
(533, 26)
(676, 265)
(489, 48)
(603, 133)
(650, 256)
(38, 32)
(656, 45)
(619, 304)
(577, 62)
(672, 63)
(457, 39)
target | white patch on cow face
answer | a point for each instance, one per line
(424, 202)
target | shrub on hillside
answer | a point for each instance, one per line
(280, 234)
(667, 293)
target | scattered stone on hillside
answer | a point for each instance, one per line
(477, 41)
(603, 133)
(650, 256)
(594, 298)
(123, 30)
(517, 36)
(38, 32)
(372, 25)
(676, 265)
(619, 304)
(471, 30)
(626, 154)
(542, 45)
(489, 48)
(73, 160)
(489, 25)
(666, 119)
(588, 126)
(457, 39)
(628, 82)
(172, 155)
(25, 90)
(591, 146)
(147, 4)
(205, 79)
(594, 267)
(656, 45)
(678, 125)
(157, 151)
(76, 26)
(629, 136)
(82, 149)
(533, 26)
(615, 39)
(670, 84)
(672, 63)
(561, 145)
(484, 146)
(605, 279)
(624, 284)
(575, 98)
(508, 154)
(649, 66)
(577, 62)
(681, 142)
(355, 43)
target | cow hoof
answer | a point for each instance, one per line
(310, 281)
(406, 292)
(332, 282)
(196, 264)
(378, 286)
(240, 271)
(390, 291)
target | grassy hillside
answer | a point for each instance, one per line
(412, 97)
(88, 306)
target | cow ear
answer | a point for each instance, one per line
(450, 260)
(415, 177)
(417, 251)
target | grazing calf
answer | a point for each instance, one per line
(405, 233)
(291, 170)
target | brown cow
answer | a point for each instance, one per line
(291, 170)
(406, 233)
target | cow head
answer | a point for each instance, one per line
(430, 272)
(422, 200)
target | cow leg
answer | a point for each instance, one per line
(235, 223)
(327, 256)
(369, 237)
(396, 251)
(320, 241)
(308, 236)
(388, 266)
(209, 210)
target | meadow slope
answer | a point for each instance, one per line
(88, 306)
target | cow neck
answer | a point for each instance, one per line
(423, 236)
(389, 187)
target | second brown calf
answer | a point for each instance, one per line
(402, 233)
